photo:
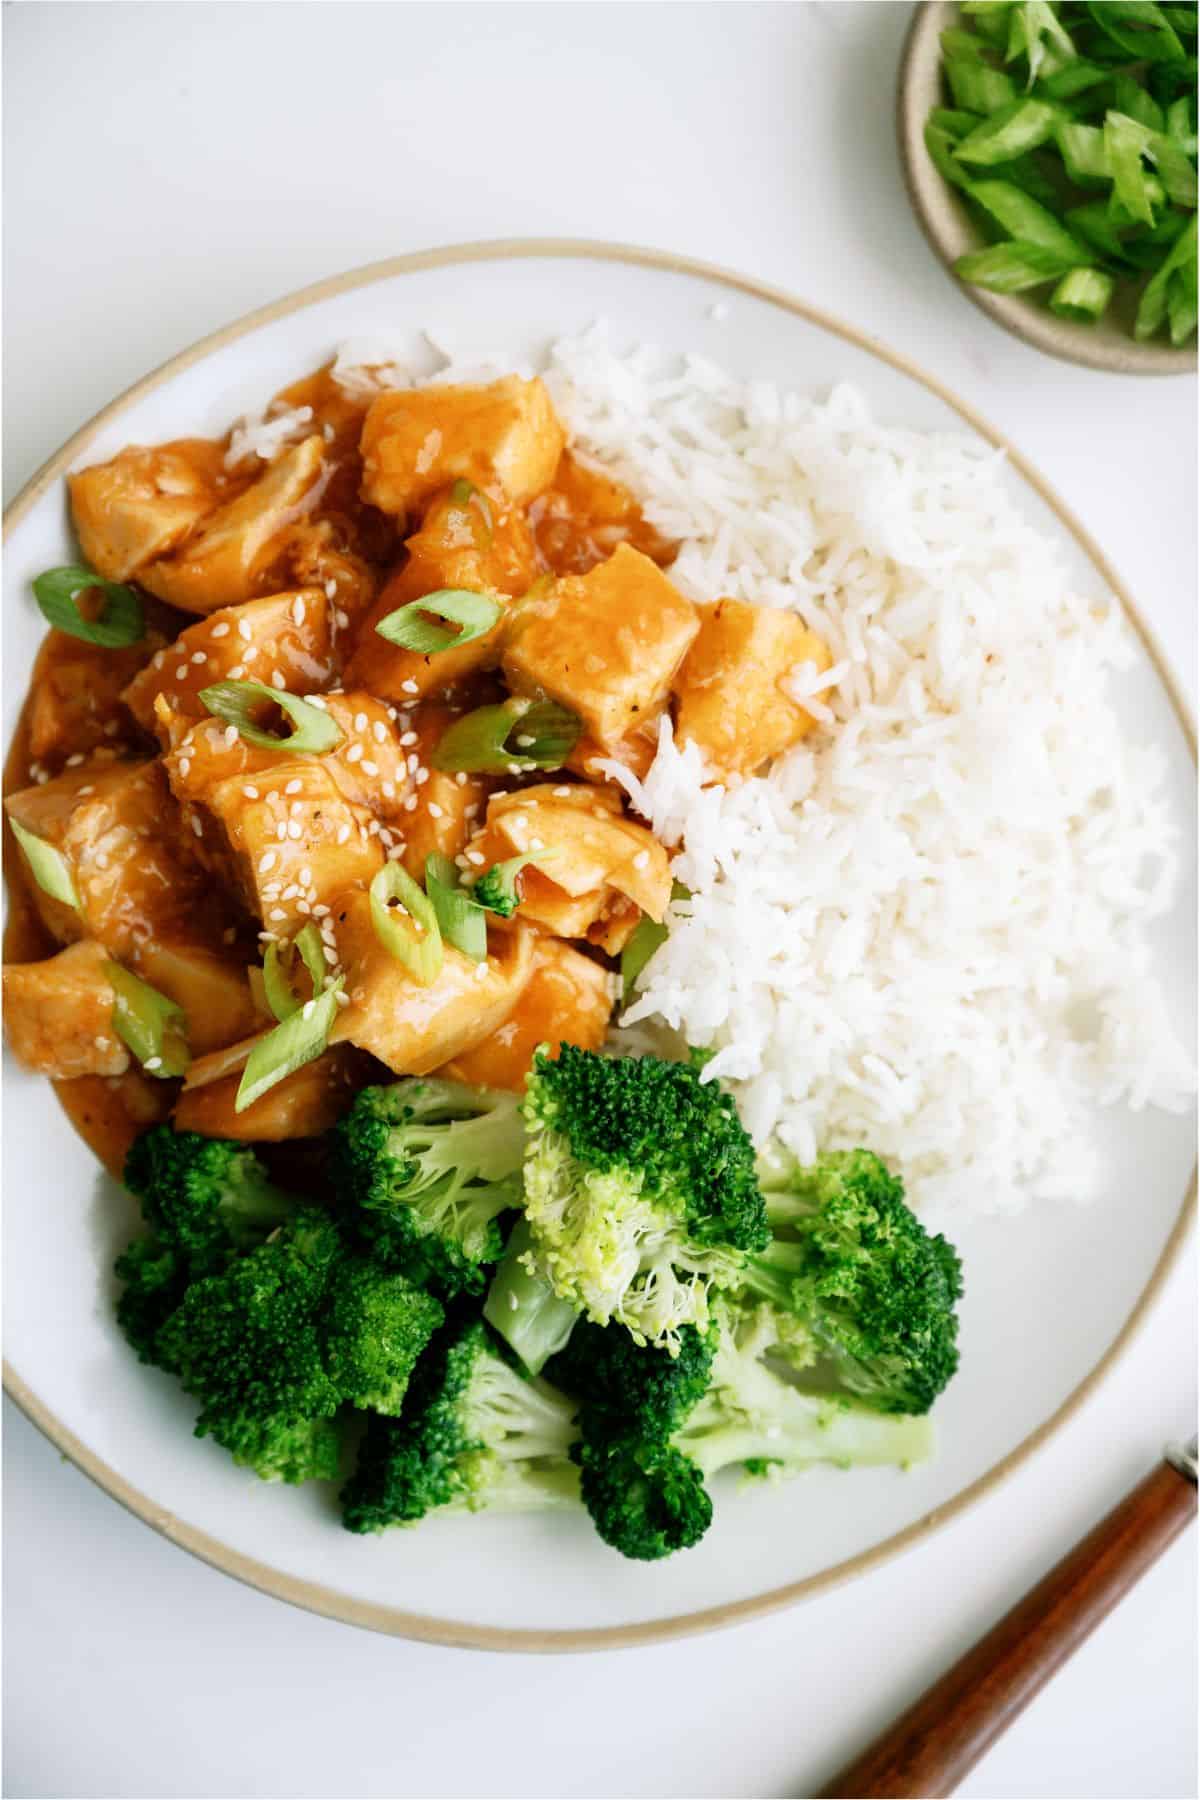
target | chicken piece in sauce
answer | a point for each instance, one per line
(729, 698)
(417, 440)
(58, 1014)
(568, 1000)
(142, 504)
(302, 1105)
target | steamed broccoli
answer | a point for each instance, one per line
(154, 1278)
(279, 1339)
(640, 1189)
(429, 1165)
(654, 1428)
(868, 1293)
(523, 1309)
(474, 1433)
(203, 1196)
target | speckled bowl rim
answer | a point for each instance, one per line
(946, 225)
(395, 1621)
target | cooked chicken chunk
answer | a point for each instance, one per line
(480, 543)
(606, 644)
(730, 701)
(208, 982)
(417, 440)
(120, 834)
(411, 1028)
(584, 514)
(231, 557)
(568, 1001)
(58, 1015)
(282, 634)
(143, 503)
(75, 701)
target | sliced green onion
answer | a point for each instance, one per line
(1084, 152)
(237, 702)
(1124, 141)
(1012, 267)
(1131, 98)
(461, 920)
(1155, 194)
(48, 866)
(149, 1024)
(1181, 309)
(1022, 217)
(1094, 225)
(1077, 77)
(954, 124)
(990, 18)
(509, 738)
(1141, 30)
(646, 939)
(940, 145)
(120, 623)
(1176, 169)
(1011, 131)
(1033, 29)
(280, 995)
(1180, 261)
(413, 626)
(294, 1042)
(1083, 295)
(1181, 123)
(976, 87)
(406, 923)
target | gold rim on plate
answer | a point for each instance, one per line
(463, 1634)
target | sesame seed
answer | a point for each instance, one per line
(331, 590)
(251, 793)
(341, 619)
(294, 830)
(303, 906)
(237, 671)
(152, 1062)
(470, 812)
(396, 852)
(197, 827)
(370, 768)
(305, 876)
(360, 721)
(389, 790)
(379, 731)
(277, 679)
(343, 832)
(199, 656)
(481, 971)
(536, 844)
(640, 860)
(277, 912)
(281, 830)
(317, 700)
(298, 610)
(460, 780)
(373, 829)
(295, 808)
(562, 793)
(181, 672)
(231, 735)
(290, 892)
(410, 687)
(435, 811)
(157, 660)
(251, 653)
(185, 763)
(266, 861)
(526, 741)
(293, 786)
(271, 891)
(477, 857)
(306, 1011)
(221, 630)
(244, 631)
(354, 753)
(410, 805)
(321, 912)
(343, 999)
(73, 762)
(101, 1043)
(421, 777)
(89, 789)
(409, 737)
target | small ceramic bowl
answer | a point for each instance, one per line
(1110, 343)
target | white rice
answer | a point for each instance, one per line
(925, 928)
(265, 434)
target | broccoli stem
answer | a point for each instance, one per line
(524, 1310)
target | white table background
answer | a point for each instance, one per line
(169, 167)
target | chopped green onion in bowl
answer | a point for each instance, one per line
(1070, 132)
(240, 704)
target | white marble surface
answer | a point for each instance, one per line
(170, 166)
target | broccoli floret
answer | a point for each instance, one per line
(753, 1417)
(155, 1278)
(281, 1449)
(523, 1309)
(473, 1434)
(869, 1293)
(203, 1196)
(645, 1499)
(640, 1189)
(636, 1390)
(429, 1166)
(246, 1344)
(496, 888)
(375, 1326)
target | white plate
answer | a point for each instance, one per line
(1050, 1299)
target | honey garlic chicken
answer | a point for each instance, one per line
(316, 772)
